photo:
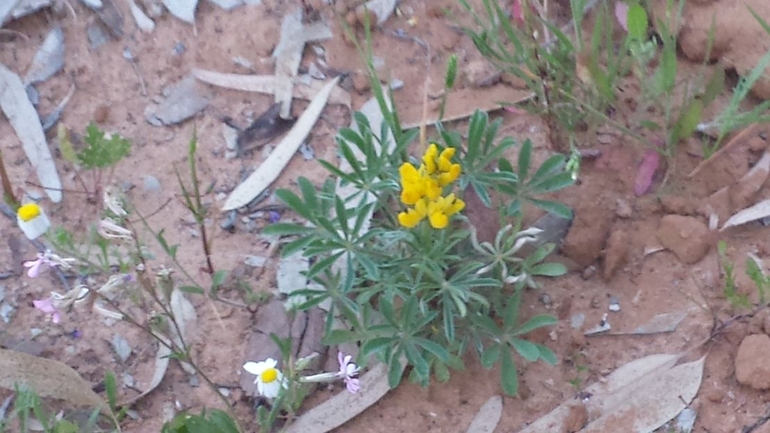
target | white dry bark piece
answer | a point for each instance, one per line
(637, 397)
(182, 9)
(268, 83)
(488, 417)
(49, 58)
(6, 7)
(753, 213)
(345, 406)
(383, 9)
(271, 168)
(143, 22)
(93, 4)
(228, 5)
(49, 378)
(25, 122)
(288, 53)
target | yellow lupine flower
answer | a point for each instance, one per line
(412, 184)
(412, 216)
(429, 159)
(450, 175)
(440, 210)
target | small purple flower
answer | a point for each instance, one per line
(35, 265)
(273, 216)
(47, 307)
(76, 333)
(349, 372)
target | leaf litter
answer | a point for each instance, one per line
(639, 396)
(49, 58)
(24, 119)
(271, 168)
(182, 9)
(268, 83)
(48, 378)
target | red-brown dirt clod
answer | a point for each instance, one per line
(616, 253)
(585, 241)
(751, 366)
(687, 237)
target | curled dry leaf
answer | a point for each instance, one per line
(269, 170)
(638, 397)
(646, 172)
(268, 83)
(49, 58)
(25, 122)
(48, 378)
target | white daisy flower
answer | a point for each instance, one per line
(269, 379)
(32, 220)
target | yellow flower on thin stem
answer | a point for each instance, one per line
(412, 216)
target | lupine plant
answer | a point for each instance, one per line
(414, 287)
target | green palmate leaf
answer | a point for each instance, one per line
(102, 152)
(511, 314)
(549, 270)
(527, 350)
(218, 279)
(375, 345)
(111, 389)
(553, 207)
(509, 377)
(294, 202)
(308, 193)
(687, 122)
(525, 155)
(441, 371)
(536, 322)
(637, 22)
(546, 354)
(451, 71)
(395, 369)
(552, 183)
(297, 245)
(435, 349)
(490, 356)
(197, 290)
(417, 360)
(666, 74)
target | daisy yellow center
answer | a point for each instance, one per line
(270, 375)
(29, 212)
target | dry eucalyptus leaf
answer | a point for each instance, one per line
(48, 378)
(161, 365)
(25, 122)
(185, 317)
(182, 9)
(143, 22)
(49, 58)
(753, 213)
(640, 396)
(288, 53)
(344, 406)
(382, 8)
(488, 417)
(268, 83)
(269, 170)
(660, 323)
(462, 103)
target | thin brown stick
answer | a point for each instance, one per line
(732, 143)
(8, 195)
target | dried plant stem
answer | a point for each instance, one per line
(8, 195)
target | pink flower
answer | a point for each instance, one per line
(47, 258)
(349, 372)
(46, 306)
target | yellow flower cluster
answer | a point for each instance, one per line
(422, 188)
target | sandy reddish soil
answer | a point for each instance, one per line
(107, 86)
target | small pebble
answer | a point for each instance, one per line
(614, 304)
(221, 196)
(179, 49)
(151, 184)
(255, 261)
(128, 380)
(623, 209)
(194, 382)
(35, 332)
(545, 299)
(224, 391)
(229, 222)
(70, 350)
(588, 272)
(121, 347)
(595, 302)
(6, 312)
(577, 320)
